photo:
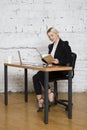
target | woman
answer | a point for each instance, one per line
(61, 52)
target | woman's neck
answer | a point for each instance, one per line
(57, 40)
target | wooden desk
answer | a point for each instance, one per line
(46, 71)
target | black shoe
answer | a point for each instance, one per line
(40, 109)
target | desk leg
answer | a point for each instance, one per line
(70, 95)
(46, 77)
(5, 85)
(26, 85)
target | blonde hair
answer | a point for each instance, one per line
(52, 29)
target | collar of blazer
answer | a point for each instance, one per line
(51, 45)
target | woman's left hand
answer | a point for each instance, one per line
(56, 61)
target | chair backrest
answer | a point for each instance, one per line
(74, 56)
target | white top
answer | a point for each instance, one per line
(54, 49)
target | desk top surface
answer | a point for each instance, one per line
(40, 67)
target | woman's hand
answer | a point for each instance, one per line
(56, 61)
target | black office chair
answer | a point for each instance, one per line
(61, 101)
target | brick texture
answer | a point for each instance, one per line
(23, 24)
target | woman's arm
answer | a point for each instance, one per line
(66, 57)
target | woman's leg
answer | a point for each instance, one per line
(38, 81)
(38, 89)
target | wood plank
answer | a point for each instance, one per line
(39, 67)
(19, 115)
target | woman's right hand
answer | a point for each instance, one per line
(56, 61)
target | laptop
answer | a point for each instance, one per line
(27, 63)
(20, 59)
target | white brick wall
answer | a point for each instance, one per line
(23, 24)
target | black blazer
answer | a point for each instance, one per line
(62, 53)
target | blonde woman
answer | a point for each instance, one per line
(61, 52)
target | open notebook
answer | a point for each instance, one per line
(47, 58)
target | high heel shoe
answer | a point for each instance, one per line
(40, 104)
(51, 96)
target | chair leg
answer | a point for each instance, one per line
(55, 92)
(57, 100)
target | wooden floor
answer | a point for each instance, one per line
(19, 115)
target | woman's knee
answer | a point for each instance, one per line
(38, 77)
(34, 77)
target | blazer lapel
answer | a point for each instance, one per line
(58, 48)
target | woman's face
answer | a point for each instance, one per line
(52, 36)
